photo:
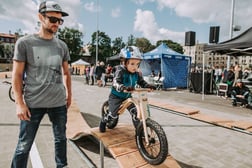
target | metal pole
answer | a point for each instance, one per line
(97, 31)
(231, 28)
(203, 77)
(102, 154)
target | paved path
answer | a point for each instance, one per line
(192, 143)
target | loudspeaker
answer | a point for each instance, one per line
(190, 38)
(214, 34)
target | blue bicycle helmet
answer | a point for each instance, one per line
(130, 52)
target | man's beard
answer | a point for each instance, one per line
(50, 31)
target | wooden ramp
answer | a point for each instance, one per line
(244, 126)
(119, 141)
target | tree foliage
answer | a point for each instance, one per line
(144, 44)
(173, 45)
(117, 45)
(73, 39)
(131, 40)
(104, 46)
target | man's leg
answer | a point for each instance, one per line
(58, 117)
(233, 97)
(28, 130)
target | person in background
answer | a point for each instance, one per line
(217, 74)
(91, 73)
(237, 74)
(100, 69)
(240, 93)
(126, 78)
(229, 80)
(87, 71)
(44, 60)
(152, 73)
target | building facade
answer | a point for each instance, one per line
(7, 45)
(213, 59)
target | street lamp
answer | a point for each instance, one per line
(232, 28)
(97, 31)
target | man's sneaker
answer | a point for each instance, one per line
(102, 126)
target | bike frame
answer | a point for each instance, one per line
(142, 106)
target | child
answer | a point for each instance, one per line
(126, 78)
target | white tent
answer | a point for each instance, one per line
(80, 62)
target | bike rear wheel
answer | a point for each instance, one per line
(157, 150)
(111, 123)
(11, 94)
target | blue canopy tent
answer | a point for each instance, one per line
(174, 66)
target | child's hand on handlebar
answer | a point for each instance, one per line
(152, 87)
(128, 88)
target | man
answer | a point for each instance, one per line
(240, 93)
(44, 60)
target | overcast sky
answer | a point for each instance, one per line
(152, 19)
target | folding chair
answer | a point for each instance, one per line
(223, 89)
(158, 83)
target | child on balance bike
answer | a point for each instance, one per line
(126, 78)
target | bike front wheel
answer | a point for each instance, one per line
(156, 151)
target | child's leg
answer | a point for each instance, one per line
(133, 112)
(114, 104)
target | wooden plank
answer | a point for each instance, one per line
(130, 160)
(123, 148)
(170, 162)
(244, 125)
(7, 74)
(226, 123)
(120, 142)
(121, 133)
(184, 110)
(76, 124)
(209, 118)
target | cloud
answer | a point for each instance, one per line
(92, 7)
(209, 12)
(115, 13)
(141, 2)
(145, 22)
(25, 12)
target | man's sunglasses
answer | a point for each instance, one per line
(53, 19)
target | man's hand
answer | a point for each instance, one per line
(23, 112)
(240, 96)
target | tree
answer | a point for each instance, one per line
(104, 46)
(72, 38)
(117, 45)
(173, 45)
(144, 44)
(1, 50)
(131, 40)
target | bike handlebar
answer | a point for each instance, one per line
(139, 90)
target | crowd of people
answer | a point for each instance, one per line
(235, 79)
(98, 74)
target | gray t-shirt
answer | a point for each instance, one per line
(43, 59)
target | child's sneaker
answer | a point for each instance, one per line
(102, 126)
